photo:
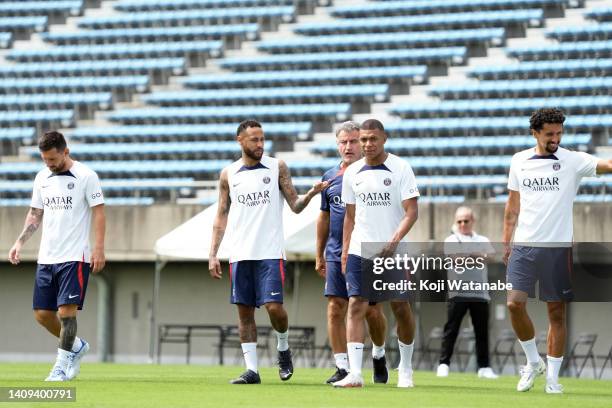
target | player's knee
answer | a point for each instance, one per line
(43, 316)
(556, 316)
(516, 307)
(274, 309)
(336, 309)
(401, 309)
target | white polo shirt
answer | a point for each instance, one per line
(66, 199)
(548, 187)
(377, 192)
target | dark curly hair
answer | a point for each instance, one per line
(545, 115)
(245, 124)
(52, 140)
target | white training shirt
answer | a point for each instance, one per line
(377, 192)
(256, 211)
(547, 187)
(458, 243)
(66, 199)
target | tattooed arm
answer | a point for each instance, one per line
(219, 225)
(32, 223)
(297, 204)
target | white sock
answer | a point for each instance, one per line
(77, 345)
(378, 351)
(406, 350)
(283, 340)
(249, 350)
(355, 357)
(341, 361)
(63, 359)
(531, 350)
(554, 366)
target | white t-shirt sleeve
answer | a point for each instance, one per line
(450, 245)
(513, 183)
(586, 164)
(348, 195)
(93, 190)
(408, 186)
(36, 198)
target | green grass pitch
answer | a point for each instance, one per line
(156, 386)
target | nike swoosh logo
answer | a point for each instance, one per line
(235, 184)
(358, 183)
(274, 293)
(44, 186)
(72, 297)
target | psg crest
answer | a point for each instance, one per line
(387, 182)
(266, 180)
(556, 166)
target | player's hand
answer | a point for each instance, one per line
(507, 250)
(388, 250)
(343, 263)
(98, 260)
(14, 254)
(320, 267)
(318, 187)
(214, 267)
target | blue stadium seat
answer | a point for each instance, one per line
(353, 59)
(527, 18)
(75, 84)
(159, 150)
(196, 33)
(417, 7)
(40, 119)
(6, 40)
(489, 126)
(99, 100)
(357, 42)
(366, 75)
(582, 33)
(570, 50)
(153, 67)
(23, 25)
(192, 17)
(155, 5)
(600, 14)
(313, 112)
(312, 94)
(41, 8)
(273, 131)
(112, 51)
(28, 134)
(525, 88)
(600, 67)
(578, 105)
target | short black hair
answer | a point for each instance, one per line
(372, 124)
(545, 115)
(52, 140)
(249, 123)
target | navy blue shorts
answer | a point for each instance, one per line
(353, 275)
(60, 284)
(258, 282)
(335, 282)
(551, 267)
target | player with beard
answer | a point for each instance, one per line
(251, 194)
(542, 185)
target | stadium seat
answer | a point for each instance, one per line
(258, 96)
(576, 105)
(569, 50)
(431, 56)
(525, 88)
(268, 17)
(157, 5)
(600, 14)
(582, 33)
(416, 7)
(199, 50)
(6, 40)
(350, 76)
(41, 8)
(356, 42)
(507, 18)
(23, 26)
(545, 69)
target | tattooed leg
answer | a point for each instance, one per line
(67, 333)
